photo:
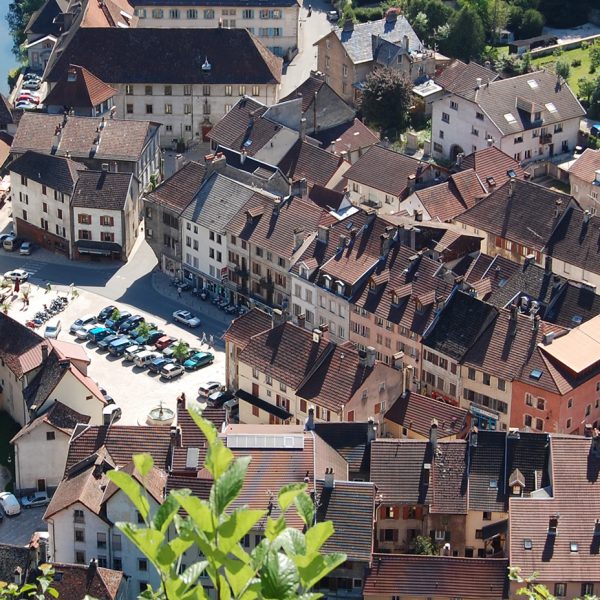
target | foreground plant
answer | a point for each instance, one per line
(286, 564)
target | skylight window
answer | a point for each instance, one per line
(574, 547)
(510, 118)
(533, 84)
(493, 484)
(536, 374)
(511, 173)
(577, 319)
(527, 544)
(550, 106)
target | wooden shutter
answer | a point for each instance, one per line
(405, 512)
(395, 535)
(419, 513)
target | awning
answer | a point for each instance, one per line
(490, 531)
(276, 411)
(92, 247)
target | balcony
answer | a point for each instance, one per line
(546, 138)
(267, 283)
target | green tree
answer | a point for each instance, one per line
(594, 56)
(425, 545)
(421, 26)
(533, 590)
(385, 101)
(531, 24)
(181, 351)
(437, 13)
(19, 12)
(586, 88)
(594, 109)
(39, 590)
(498, 12)
(563, 68)
(142, 329)
(466, 38)
(115, 314)
(285, 565)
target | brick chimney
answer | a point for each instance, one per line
(329, 479)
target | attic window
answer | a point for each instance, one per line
(550, 106)
(527, 544)
(533, 84)
(493, 484)
(577, 319)
(206, 66)
(536, 374)
(511, 173)
(574, 546)
(510, 118)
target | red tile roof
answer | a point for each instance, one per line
(307, 161)
(349, 137)
(492, 164)
(176, 192)
(436, 576)
(243, 328)
(459, 76)
(20, 347)
(79, 88)
(449, 478)
(75, 582)
(586, 165)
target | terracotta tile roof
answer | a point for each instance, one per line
(307, 161)
(540, 90)
(11, 558)
(69, 350)
(553, 378)
(306, 90)
(383, 169)
(79, 88)
(176, 192)
(349, 440)
(492, 166)
(575, 241)
(102, 190)
(325, 197)
(398, 472)
(119, 139)
(121, 442)
(20, 347)
(458, 76)
(437, 576)
(74, 582)
(6, 117)
(350, 506)
(235, 56)
(477, 267)
(348, 137)
(154, 482)
(576, 303)
(59, 416)
(574, 497)
(528, 218)
(415, 412)
(449, 478)
(199, 487)
(586, 165)
(243, 328)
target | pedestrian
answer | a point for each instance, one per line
(212, 340)
(48, 288)
(179, 292)
(203, 340)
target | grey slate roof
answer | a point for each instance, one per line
(56, 172)
(541, 88)
(6, 116)
(350, 440)
(12, 557)
(359, 42)
(45, 380)
(575, 304)
(218, 201)
(102, 189)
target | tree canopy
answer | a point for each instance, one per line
(19, 12)
(466, 36)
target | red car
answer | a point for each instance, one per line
(28, 98)
(164, 342)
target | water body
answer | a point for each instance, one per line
(7, 60)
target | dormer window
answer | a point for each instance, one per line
(340, 286)
(304, 272)
(553, 525)
(327, 281)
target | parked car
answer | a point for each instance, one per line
(171, 371)
(595, 130)
(107, 341)
(197, 360)
(52, 329)
(131, 323)
(26, 248)
(154, 336)
(10, 242)
(15, 274)
(25, 105)
(31, 84)
(111, 413)
(143, 359)
(164, 342)
(208, 388)
(333, 16)
(131, 351)
(219, 398)
(158, 363)
(83, 332)
(187, 318)
(105, 313)
(115, 323)
(98, 333)
(118, 347)
(36, 499)
(85, 320)
(10, 505)
(107, 397)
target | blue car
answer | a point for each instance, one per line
(197, 360)
(98, 333)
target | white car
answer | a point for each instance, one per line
(52, 330)
(82, 332)
(19, 274)
(208, 388)
(186, 317)
(10, 505)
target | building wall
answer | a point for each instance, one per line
(586, 193)
(406, 521)
(71, 392)
(162, 228)
(229, 16)
(361, 194)
(573, 588)
(97, 230)
(333, 310)
(11, 396)
(36, 458)
(304, 300)
(334, 61)
(437, 375)
(475, 521)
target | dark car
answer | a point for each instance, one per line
(107, 341)
(197, 360)
(115, 323)
(105, 313)
(219, 398)
(142, 340)
(154, 337)
(131, 323)
(158, 363)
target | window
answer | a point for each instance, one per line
(157, 13)
(453, 105)
(116, 542)
(209, 13)
(445, 117)
(474, 131)
(79, 535)
(587, 589)
(187, 109)
(268, 380)
(486, 379)
(107, 236)
(142, 564)
(479, 116)
(242, 90)
(102, 562)
(502, 385)
(441, 134)
(588, 410)
(539, 424)
(24, 180)
(529, 399)
(140, 519)
(78, 516)
(541, 404)
(560, 590)
(149, 109)
(570, 403)
(228, 90)
(107, 221)
(101, 540)
(487, 515)
(148, 90)
(80, 557)
(168, 109)
(85, 234)
(255, 411)
(129, 90)
(50, 435)
(471, 374)
(174, 13)
(129, 109)
(187, 90)
(255, 373)
(192, 13)
(227, 108)
(527, 419)
(256, 90)
(519, 139)
(248, 14)
(84, 219)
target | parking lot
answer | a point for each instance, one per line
(134, 389)
(18, 530)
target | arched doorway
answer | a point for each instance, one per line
(455, 150)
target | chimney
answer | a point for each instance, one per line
(391, 15)
(418, 215)
(277, 318)
(298, 237)
(433, 434)
(514, 310)
(301, 319)
(536, 323)
(243, 155)
(276, 206)
(302, 131)
(300, 188)
(93, 565)
(529, 259)
(175, 432)
(558, 208)
(342, 242)
(595, 449)
(44, 353)
(511, 187)
(553, 524)
(18, 576)
(371, 430)
(348, 25)
(473, 437)
(586, 216)
(215, 163)
(323, 234)
(478, 83)
(371, 354)
(324, 331)
(406, 43)
(329, 480)
(548, 337)
(309, 422)
(548, 264)
(105, 167)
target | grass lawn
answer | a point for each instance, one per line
(576, 73)
(8, 429)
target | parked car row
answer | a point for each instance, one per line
(11, 507)
(130, 337)
(10, 242)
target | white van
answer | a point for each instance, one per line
(10, 505)
(144, 358)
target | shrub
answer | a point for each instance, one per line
(368, 13)
(576, 62)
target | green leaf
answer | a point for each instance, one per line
(239, 575)
(165, 513)
(274, 528)
(313, 570)
(193, 572)
(259, 553)
(52, 592)
(317, 535)
(165, 557)
(288, 493)
(227, 488)
(145, 539)
(143, 463)
(237, 525)
(198, 510)
(306, 508)
(279, 576)
(207, 428)
(292, 541)
(218, 458)
(133, 489)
